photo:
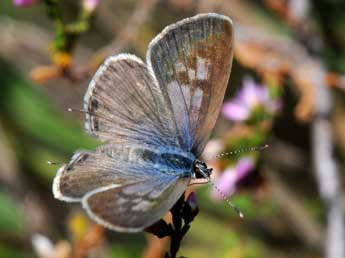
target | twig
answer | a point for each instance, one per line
(155, 247)
(326, 170)
(183, 213)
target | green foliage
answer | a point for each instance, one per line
(8, 252)
(129, 246)
(11, 216)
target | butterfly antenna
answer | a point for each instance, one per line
(51, 163)
(242, 150)
(222, 194)
(77, 110)
(232, 205)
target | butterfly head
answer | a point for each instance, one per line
(200, 170)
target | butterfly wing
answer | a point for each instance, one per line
(134, 207)
(128, 193)
(90, 170)
(124, 104)
(191, 61)
(125, 187)
(120, 165)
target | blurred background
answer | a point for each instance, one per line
(286, 90)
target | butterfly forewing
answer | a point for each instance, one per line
(125, 105)
(192, 61)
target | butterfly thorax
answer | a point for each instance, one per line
(200, 170)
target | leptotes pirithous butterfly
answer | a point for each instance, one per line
(155, 119)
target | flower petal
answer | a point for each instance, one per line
(90, 5)
(250, 93)
(235, 111)
(253, 94)
(244, 166)
(22, 3)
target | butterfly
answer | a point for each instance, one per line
(155, 119)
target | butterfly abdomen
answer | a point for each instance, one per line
(169, 160)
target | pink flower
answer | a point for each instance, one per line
(251, 97)
(90, 5)
(226, 184)
(23, 3)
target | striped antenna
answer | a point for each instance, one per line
(235, 152)
(242, 150)
(77, 110)
(232, 205)
(51, 163)
(222, 194)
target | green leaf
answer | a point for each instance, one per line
(10, 252)
(11, 215)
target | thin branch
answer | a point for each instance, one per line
(326, 169)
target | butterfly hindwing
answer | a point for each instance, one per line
(134, 207)
(117, 164)
(90, 170)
